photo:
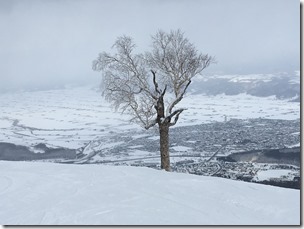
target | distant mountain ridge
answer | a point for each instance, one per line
(281, 85)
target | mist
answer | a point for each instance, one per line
(53, 43)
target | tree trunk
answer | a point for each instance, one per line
(164, 146)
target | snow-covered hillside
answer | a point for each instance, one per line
(33, 193)
(281, 85)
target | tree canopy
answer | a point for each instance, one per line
(149, 85)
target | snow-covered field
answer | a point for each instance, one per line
(73, 117)
(62, 118)
(33, 193)
(267, 174)
(206, 109)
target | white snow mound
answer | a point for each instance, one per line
(33, 193)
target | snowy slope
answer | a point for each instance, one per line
(57, 194)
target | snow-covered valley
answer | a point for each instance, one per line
(73, 117)
(80, 125)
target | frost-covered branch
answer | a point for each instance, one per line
(177, 99)
(176, 118)
(149, 125)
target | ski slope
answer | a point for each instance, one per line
(33, 193)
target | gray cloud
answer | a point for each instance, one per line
(49, 42)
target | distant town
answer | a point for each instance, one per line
(236, 149)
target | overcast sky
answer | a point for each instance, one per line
(48, 41)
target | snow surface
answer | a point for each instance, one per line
(272, 173)
(69, 117)
(207, 109)
(181, 148)
(33, 193)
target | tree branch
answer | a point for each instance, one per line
(148, 126)
(178, 99)
(163, 93)
(176, 113)
(155, 83)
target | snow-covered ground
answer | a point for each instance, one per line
(68, 118)
(206, 109)
(268, 174)
(33, 193)
(72, 117)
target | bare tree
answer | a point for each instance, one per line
(150, 85)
